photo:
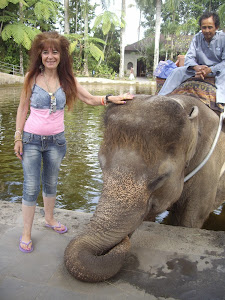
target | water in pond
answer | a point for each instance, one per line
(80, 179)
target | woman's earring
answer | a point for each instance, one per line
(42, 68)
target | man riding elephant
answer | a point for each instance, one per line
(205, 57)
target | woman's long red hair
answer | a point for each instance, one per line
(65, 71)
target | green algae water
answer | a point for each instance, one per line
(80, 177)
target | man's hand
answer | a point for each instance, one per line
(201, 71)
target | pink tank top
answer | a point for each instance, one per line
(40, 121)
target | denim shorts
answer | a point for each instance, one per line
(41, 153)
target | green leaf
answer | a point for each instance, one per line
(5, 19)
(98, 21)
(7, 32)
(3, 3)
(95, 52)
(31, 32)
(107, 19)
(26, 41)
(17, 1)
(21, 34)
(106, 27)
(44, 10)
(96, 40)
(73, 46)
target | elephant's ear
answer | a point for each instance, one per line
(193, 117)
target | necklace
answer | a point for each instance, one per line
(52, 96)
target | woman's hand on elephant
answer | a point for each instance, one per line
(120, 99)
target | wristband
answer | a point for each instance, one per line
(102, 101)
(16, 140)
(107, 98)
(18, 131)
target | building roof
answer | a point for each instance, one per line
(137, 46)
(180, 43)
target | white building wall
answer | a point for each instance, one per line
(131, 57)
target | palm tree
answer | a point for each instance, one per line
(157, 4)
(221, 12)
(85, 11)
(122, 33)
(108, 20)
(21, 51)
(66, 17)
(172, 6)
(86, 72)
(157, 32)
(122, 40)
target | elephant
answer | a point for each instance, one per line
(149, 146)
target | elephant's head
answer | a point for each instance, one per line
(146, 147)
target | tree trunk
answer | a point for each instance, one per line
(139, 26)
(76, 17)
(66, 17)
(106, 40)
(172, 48)
(21, 52)
(122, 42)
(21, 61)
(157, 33)
(86, 73)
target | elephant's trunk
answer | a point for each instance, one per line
(99, 252)
(85, 264)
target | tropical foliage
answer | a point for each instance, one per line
(179, 24)
(97, 40)
(22, 20)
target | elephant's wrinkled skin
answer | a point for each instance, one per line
(149, 145)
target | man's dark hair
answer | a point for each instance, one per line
(207, 15)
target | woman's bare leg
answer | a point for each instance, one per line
(49, 204)
(28, 218)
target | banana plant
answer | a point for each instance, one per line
(107, 20)
(20, 22)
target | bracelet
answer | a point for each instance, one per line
(18, 131)
(102, 101)
(16, 140)
(107, 98)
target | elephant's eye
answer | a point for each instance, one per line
(158, 182)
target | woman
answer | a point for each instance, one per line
(131, 77)
(49, 85)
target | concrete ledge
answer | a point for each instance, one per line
(6, 79)
(165, 262)
(139, 81)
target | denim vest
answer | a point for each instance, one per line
(40, 99)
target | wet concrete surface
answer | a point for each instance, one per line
(164, 262)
